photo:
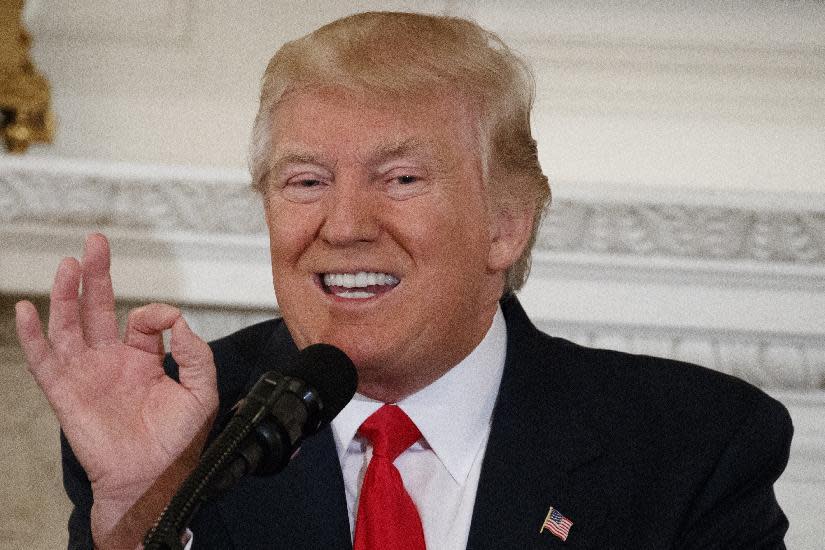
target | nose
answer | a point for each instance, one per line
(350, 214)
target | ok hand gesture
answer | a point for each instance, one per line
(136, 432)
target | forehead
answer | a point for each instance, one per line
(372, 124)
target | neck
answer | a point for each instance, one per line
(392, 387)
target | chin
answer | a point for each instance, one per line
(370, 362)
(364, 358)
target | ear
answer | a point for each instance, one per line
(510, 232)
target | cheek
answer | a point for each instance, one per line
(459, 237)
(290, 231)
(451, 256)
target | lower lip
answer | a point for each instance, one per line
(373, 291)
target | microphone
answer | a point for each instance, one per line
(284, 409)
(269, 424)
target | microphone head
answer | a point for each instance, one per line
(330, 373)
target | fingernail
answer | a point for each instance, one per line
(183, 323)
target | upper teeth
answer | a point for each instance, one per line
(358, 280)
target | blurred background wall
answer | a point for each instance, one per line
(685, 143)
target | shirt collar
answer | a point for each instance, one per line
(453, 413)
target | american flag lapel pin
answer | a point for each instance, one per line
(556, 523)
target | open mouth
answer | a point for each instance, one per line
(358, 286)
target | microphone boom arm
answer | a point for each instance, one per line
(261, 437)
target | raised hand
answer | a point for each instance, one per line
(136, 432)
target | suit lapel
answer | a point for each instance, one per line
(540, 453)
(303, 506)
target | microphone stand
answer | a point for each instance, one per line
(272, 397)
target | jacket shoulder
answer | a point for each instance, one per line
(661, 388)
(679, 383)
(651, 402)
(707, 443)
(685, 417)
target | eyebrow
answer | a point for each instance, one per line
(391, 149)
(295, 157)
(421, 151)
(383, 152)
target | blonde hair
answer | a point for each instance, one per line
(407, 56)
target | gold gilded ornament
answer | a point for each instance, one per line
(24, 93)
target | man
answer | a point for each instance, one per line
(402, 193)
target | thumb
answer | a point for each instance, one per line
(196, 364)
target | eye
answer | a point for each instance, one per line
(307, 183)
(404, 185)
(303, 188)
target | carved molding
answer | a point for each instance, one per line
(765, 359)
(769, 237)
(197, 237)
(188, 201)
(682, 231)
(87, 194)
(665, 239)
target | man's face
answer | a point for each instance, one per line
(380, 235)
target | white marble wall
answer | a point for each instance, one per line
(720, 95)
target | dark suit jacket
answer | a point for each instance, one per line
(638, 452)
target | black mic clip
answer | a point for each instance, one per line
(281, 411)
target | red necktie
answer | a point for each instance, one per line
(387, 517)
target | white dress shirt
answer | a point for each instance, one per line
(442, 469)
